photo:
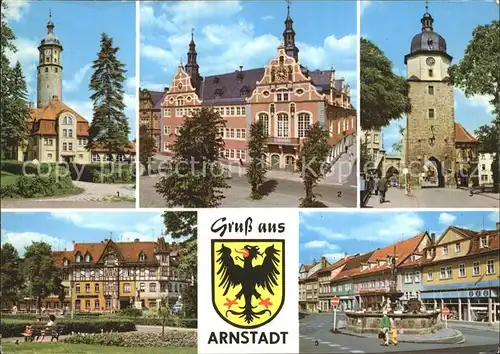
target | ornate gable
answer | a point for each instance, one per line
(181, 89)
(111, 253)
(283, 73)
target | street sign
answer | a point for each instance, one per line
(446, 311)
(335, 301)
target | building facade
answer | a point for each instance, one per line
(485, 170)
(285, 95)
(57, 132)
(109, 276)
(150, 113)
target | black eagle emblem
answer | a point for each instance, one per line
(250, 277)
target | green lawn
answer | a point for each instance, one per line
(7, 178)
(64, 348)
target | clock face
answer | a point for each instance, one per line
(430, 61)
(47, 51)
(281, 74)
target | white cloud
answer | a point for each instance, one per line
(16, 9)
(321, 244)
(74, 83)
(333, 257)
(130, 84)
(447, 219)
(83, 108)
(27, 54)
(20, 240)
(364, 5)
(481, 101)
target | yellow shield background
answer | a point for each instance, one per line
(220, 301)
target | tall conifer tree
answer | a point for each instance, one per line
(109, 126)
(257, 169)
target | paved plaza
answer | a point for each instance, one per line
(316, 337)
(435, 198)
(338, 190)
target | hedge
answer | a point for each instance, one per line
(103, 172)
(173, 322)
(172, 338)
(45, 180)
(14, 328)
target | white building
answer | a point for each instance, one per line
(484, 167)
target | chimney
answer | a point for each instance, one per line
(433, 238)
(136, 240)
(106, 240)
(64, 249)
(74, 243)
(165, 89)
(323, 261)
(345, 255)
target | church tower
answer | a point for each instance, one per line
(49, 74)
(430, 127)
(289, 36)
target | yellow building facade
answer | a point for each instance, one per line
(463, 275)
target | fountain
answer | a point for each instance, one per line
(414, 319)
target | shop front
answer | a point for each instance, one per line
(472, 305)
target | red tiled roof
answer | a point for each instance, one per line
(352, 266)
(493, 238)
(130, 148)
(462, 135)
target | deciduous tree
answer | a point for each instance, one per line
(109, 126)
(257, 169)
(194, 177)
(384, 95)
(478, 73)
(183, 225)
(489, 142)
(40, 271)
(146, 147)
(313, 162)
(12, 280)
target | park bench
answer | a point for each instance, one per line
(37, 331)
(53, 332)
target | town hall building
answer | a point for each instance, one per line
(285, 95)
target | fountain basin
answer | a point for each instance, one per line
(408, 323)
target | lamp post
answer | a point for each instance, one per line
(405, 172)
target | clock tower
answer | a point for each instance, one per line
(429, 144)
(49, 75)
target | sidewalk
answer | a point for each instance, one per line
(443, 336)
(394, 198)
(487, 326)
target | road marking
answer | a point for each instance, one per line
(345, 348)
(357, 351)
(334, 345)
(324, 342)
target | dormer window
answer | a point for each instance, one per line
(78, 258)
(87, 258)
(65, 262)
(142, 257)
(484, 241)
(458, 247)
(378, 263)
(445, 250)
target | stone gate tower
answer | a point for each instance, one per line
(49, 74)
(430, 127)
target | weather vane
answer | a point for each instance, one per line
(427, 6)
(288, 2)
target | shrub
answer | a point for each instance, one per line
(171, 322)
(113, 173)
(14, 328)
(7, 191)
(131, 312)
(137, 339)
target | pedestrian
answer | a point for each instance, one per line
(385, 326)
(241, 162)
(382, 188)
(376, 182)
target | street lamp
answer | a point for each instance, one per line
(405, 172)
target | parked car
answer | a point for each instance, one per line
(177, 308)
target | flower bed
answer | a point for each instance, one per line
(171, 338)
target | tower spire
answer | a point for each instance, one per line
(50, 24)
(427, 19)
(192, 67)
(426, 6)
(289, 35)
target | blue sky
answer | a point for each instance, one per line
(79, 25)
(233, 33)
(60, 228)
(455, 21)
(334, 233)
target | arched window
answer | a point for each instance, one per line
(87, 257)
(67, 120)
(142, 257)
(282, 125)
(304, 123)
(78, 258)
(65, 262)
(265, 121)
(180, 101)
